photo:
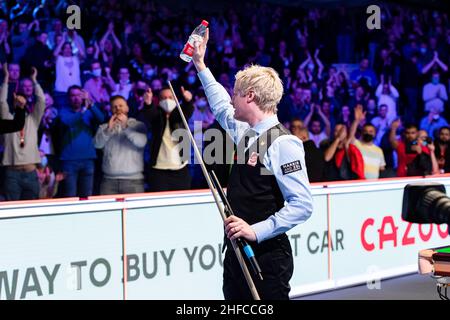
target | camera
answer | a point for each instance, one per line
(425, 142)
(426, 203)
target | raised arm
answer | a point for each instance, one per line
(218, 98)
(39, 109)
(58, 48)
(429, 65)
(309, 116)
(105, 36)
(359, 116)
(97, 50)
(394, 91)
(325, 121)
(393, 134)
(304, 63)
(434, 163)
(331, 150)
(4, 108)
(4, 41)
(440, 63)
(81, 53)
(319, 64)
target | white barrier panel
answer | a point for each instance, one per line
(174, 252)
(76, 256)
(173, 244)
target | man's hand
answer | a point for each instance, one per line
(395, 124)
(359, 113)
(237, 228)
(112, 122)
(417, 148)
(86, 98)
(198, 58)
(19, 101)
(148, 97)
(123, 120)
(34, 74)
(5, 73)
(187, 95)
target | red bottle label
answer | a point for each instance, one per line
(188, 49)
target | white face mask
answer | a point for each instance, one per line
(97, 72)
(168, 105)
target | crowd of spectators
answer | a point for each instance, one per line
(99, 118)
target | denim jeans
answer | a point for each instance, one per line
(78, 178)
(121, 186)
(19, 185)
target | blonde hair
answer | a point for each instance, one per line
(264, 82)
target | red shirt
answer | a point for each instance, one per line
(404, 159)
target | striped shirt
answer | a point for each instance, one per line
(373, 159)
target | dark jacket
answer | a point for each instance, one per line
(8, 126)
(314, 160)
(155, 119)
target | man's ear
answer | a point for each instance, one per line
(250, 96)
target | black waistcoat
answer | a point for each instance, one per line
(253, 195)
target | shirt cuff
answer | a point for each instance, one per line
(262, 230)
(206, 77)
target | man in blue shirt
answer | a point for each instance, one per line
(73, 133)
(268, 187)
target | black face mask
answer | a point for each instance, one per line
(367, 137)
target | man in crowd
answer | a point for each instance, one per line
(413, 155)
(21, 153)
(123, 140)
(169, 169)
(73, 131)
(372, 155)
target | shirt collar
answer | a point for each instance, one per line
(265, 125)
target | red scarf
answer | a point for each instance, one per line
(355, 157)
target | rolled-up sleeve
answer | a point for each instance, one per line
(285, 158)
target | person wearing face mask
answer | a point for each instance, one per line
(191, 79)
(168, 167)
(98, 86)
(434, 94)
(136, 99)
(432, 122)
(123, 140)
(372, 155)
(201, 114)
(149, 72)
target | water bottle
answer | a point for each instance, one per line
(196, 35)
